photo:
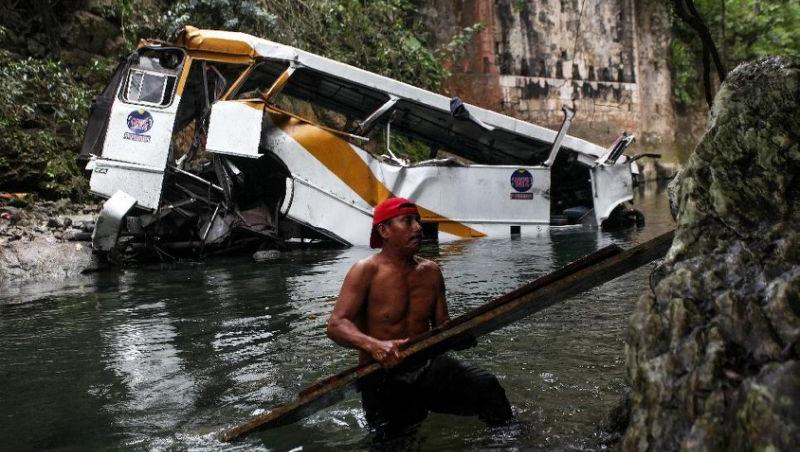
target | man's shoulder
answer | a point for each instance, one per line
(362, 272)
(427, 266)
(369, 263)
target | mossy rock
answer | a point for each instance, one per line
(712, 353)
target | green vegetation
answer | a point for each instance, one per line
(742, 30)
(385, 36)
(55, 55)
(43, 109)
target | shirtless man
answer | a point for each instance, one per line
(385, 300)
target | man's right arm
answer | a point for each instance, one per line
(342, 328)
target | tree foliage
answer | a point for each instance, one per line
(43, 110)
(383, 36)
(742, 29)
(48, 83)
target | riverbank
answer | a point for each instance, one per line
(44, 240)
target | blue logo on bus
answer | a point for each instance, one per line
(140, 121)
(521, 180)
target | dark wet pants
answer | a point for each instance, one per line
(397, 400)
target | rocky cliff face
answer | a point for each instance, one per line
(533, 56)
(714, 352)
(475, 77)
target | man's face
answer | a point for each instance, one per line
(403, 232)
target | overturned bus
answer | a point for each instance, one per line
(222, 140)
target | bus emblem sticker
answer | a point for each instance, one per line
(139, 122)
(521, 180)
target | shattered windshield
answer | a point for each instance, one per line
(148, 87)
(152, 79)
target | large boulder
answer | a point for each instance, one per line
(40, 256)
(36, 242)
(713, 352)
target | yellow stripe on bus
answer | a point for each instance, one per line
(339, 157)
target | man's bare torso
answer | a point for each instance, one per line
(401, 300)
(390, 297)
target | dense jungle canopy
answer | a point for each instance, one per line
(50, 67)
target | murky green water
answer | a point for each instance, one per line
(164, 358)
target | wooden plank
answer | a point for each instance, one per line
(579, 276)
(542, 281)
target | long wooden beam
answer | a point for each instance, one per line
(579, 276)
(542, 281)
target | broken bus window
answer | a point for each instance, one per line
(152, 79)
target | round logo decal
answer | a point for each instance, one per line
(521, 180)
(140, 121)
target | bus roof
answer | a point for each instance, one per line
(488, 137)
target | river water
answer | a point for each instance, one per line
(163, 358)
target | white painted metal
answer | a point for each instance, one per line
(143, 183)
(149, 148)
(134, 159)
(288, 196)
(568, 115)
(470, 194)
(374, 116)
(235, 128)
(612, 185)
(106, 229)
(623, 141)
(319, 198)
(478, 196)
(321, 209)
(275, 51)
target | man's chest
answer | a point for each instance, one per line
(392, 299)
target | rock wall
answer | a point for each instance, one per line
(713, 354)
(75, 32)
(656, 120)
(608, 57)
(475, 77)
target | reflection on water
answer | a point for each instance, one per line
(165, 357)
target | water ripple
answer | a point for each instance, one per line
(164, 357)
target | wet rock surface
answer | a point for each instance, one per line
(39, 241)
(713, 353)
